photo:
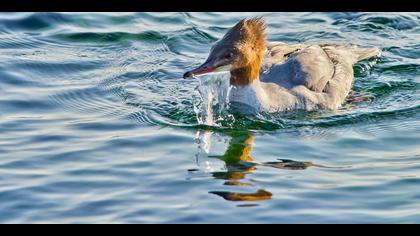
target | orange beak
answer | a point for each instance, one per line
(205, 68)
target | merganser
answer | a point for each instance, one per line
(275, 77)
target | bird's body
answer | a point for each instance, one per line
(302, 76)
(275, 77)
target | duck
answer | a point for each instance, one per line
(276, 76)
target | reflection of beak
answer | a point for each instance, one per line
(260, 195)
(205, 68)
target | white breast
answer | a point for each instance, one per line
(250, 95)
(263, 97)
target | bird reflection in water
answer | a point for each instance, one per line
(237, 163)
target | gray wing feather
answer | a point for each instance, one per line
(296, 65)
(320, 75)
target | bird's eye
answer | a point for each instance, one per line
(229, 55)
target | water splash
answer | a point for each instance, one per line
(213, 100)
